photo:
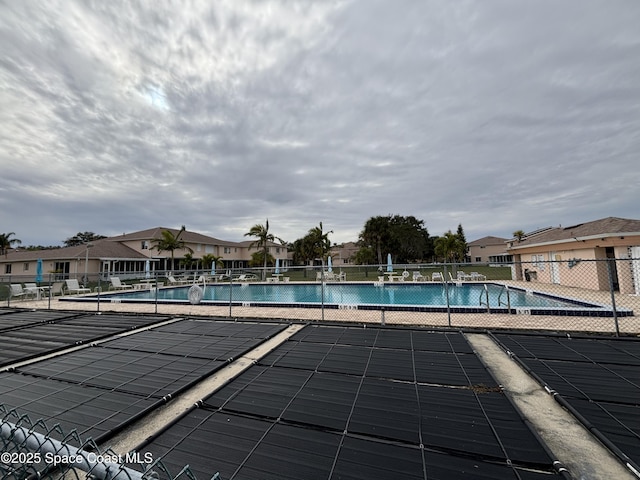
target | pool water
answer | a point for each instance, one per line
(464, 295)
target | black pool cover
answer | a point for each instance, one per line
(98, 390)
(25, 335)
(358, 403)
(598, 379)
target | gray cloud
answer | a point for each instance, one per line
(499, 115)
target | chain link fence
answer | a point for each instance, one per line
(562, 295)
(31, 450)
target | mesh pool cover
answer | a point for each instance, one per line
(356, 403)
(598, 379)
(27, 335)
(98, 390)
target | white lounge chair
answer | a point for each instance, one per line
(56, 289)
(72, 286)
(462, 276)
(31, 289)
(117, 284)
(475, 276)
(247, 277)
(437, 277)
(18, 292)
(418, 277)
(172, 280)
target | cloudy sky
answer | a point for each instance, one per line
(497, 114)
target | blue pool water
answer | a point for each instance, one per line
(464, 295)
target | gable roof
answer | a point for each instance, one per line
(100, 249)
(156, 233)
(489, 240)
(604, 227)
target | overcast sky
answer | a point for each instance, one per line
(117, 116)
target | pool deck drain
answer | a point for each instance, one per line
(581, 453)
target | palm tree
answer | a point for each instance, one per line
(261, 233)
(448, 246)
(519, 235)
(6, 242)
(209, 260)
(376, 234)
(170, 243)
(319, 241)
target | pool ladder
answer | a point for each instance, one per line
(505, 288)
(485, 293)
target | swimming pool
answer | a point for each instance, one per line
(462, 298)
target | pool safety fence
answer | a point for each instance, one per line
(30, 449)
(550, 292)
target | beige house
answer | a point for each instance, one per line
(70, 262)
(129, 254)
(489, 250)
(343, 254)
(587, 255)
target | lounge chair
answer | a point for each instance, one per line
(116, 284)
(72, 286)
(437, 277)
(462, 276)
(418, 277)
(475, 276)
(31, 289)
(56, 289)
(17, 291)
(247, 277)
(172, 280)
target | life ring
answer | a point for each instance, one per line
(195, 295)
(405, 274)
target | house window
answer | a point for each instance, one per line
(537, 261)
(478, 259)
(25, 267)
(199, 248)
(144, 245)
(7, 268)
(227, 249)
(277, 249)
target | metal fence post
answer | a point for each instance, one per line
(50, 287)
(446, 292)
(230, 293)
(613, 298)
(156, 278)
(322, 293)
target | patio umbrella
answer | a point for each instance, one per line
(277, 271)
(389, 264)
(39, 270)
(147, 269)
(213, 268)
(329, 269)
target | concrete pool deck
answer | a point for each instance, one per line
(626, 324)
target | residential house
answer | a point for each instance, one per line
(489, 250)
(343, 254)
(577, 255)
(71, 262)
(129, 254)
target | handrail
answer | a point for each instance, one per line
(486, 292)
(500, 302)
